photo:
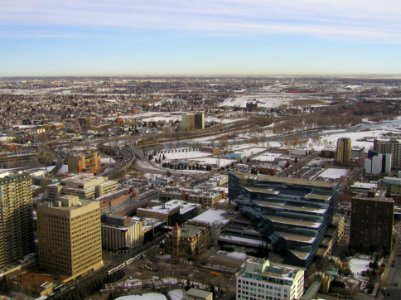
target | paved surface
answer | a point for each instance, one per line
(392, 287)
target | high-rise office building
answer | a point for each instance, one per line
(377, 163)
(199, 120)
(16, 233)
(193, 121)
(262, 279)
(343, 151)
(391, 146)
(372, 224)
(69, 236)
(293, 214)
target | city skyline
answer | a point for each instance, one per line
(134, 38)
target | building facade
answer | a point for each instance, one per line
(391, 146)
(121, 234)
(343, 151)
(69, 236)
(187, 240)
(262, 280)
(16, 231)
(293, 214)
(372, 221)
(377, 163)
(87, 186)
(84, 162)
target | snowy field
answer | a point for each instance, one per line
(268, 157)
(360, 139)
(266, 101)
(246, 152)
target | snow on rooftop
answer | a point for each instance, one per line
(148, 296)
(183, 153)
(333, 173)
(212, 216)
(268, 157)
(176, 294)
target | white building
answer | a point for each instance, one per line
(378, 164)
(261, 279)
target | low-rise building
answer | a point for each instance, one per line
(262, 279)
(197, 294)
(84, 162)
(168, 213)
(121, 233)
(87, 186)
(187, 240)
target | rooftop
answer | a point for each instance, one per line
(288, 180)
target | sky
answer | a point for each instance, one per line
(199, 37)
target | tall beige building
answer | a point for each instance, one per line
(16, 234)
(343, 152)
(69, 235)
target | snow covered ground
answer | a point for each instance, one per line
(266, 101)
(360, 139)
(357, 265)
(268, 157)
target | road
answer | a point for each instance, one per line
(393, 283)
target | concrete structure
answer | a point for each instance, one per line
(343, 151)
(205, 198)
(121, 233)
(391, 146)
(294, 214)
(392, 186)
(187, 240)
(84, 162)
(262, 279)
(168, 213)
(196, 294)
(377, 163)
(16, 233)
(88, 186)
(69, 236)
(372, 222)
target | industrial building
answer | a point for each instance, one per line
(293, 214)
(69, 236)
(16, 233)
(262, 279)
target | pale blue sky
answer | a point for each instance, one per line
(199, 37)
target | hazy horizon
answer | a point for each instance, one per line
(200, 38)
